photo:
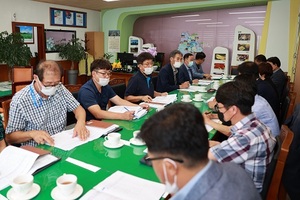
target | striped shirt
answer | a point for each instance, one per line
(249, 145)
(29, 111)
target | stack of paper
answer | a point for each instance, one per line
(126, 187)
(205, 82)
(65, 140)
(165, 99)
(138, 110)
(194, 88)
(15, 161)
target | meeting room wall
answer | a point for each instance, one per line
(36, 12)
(214, 28)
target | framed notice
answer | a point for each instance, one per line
(62, 17)
(27, 32)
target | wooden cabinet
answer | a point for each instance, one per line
(95, 43)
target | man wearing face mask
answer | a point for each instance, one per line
(178, 153)
(168, 79)
(95, 94)
(185, 71)
(197, 66)
(250, 144)
(140, 87)
(40, 109)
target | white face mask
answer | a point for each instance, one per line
(170, 188)
(148, 70)
(48, 91)
(103, 81)
(177, 64)
(191, 63)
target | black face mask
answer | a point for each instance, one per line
(221, 118)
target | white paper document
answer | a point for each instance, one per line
(205, 82)
(122, 186)
(170, 98)
(194, 88)
(138, 110)
(65, 140)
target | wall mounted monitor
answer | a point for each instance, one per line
(53, 37)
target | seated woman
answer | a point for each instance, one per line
(2, 141)
(140, 87)
(266, 88)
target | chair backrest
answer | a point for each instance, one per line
(21, 77)
(292, 96)
(284, 109)
(71, 119)
(276, 188)
(5, 107)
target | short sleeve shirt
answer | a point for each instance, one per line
(138, 85)
(29, 111)
(89, 95)
(250, 145)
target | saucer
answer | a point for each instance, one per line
(32, 193)
(136, 142)
(197, 100)
(187, 101)
(55, 194)
(109, 145)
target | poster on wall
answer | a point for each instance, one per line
(189, 43)
(113, 41)
(62, 17)
(219, 64)
(243, 45)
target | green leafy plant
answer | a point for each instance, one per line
(13, 51)
(72, 50)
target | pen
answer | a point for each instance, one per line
(129, 111)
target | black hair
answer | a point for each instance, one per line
(187, 55)
(144, 56)
(173, 53)
(179, 132)
(238, 94)
(49, 65)
(200, 55)
(260, 58)
(274, 60)
(248, 67)
(100, 64)
(265, 69)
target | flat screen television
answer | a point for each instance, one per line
(126, 58)
(53, 37)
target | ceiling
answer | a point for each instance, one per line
(99, 5)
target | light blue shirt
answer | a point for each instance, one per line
(198, 72)
(181, 194)
(264, 112)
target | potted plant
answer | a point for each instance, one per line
(13, 50)
(73, 51)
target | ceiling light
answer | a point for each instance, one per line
(211, 23)
(217, 25)
(251, 12)
(111, 0)
(181, 16)
(251, 17)
(253, 22)
(197, 20)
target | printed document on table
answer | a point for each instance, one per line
(194, 88)
(124, 186)
(205, 82)
(170, 98)
(65, 140)
(138, 110)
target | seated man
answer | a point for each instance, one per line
(168, 75)
(177, 143)
(140, 87)
(95, 94)
(2, 141)
(250, 143)
(185, 72)
(197, 70)
(40, 109)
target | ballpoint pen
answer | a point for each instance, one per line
(129, 111)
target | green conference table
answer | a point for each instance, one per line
(5, 89)
(125, 159)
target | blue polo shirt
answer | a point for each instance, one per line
(88, 95)
(138, 85)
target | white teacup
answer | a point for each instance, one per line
(137, 139)
(22, 184)
(198, 97)
(113, 138)
(186, 97)
(66, 183)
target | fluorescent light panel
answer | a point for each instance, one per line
(182, 16)
(197, 20)
(251, 12)
(251, 17)
(253, 22)
(211, 23)
(217, 25)
(110, 0)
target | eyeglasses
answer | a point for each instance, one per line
(217, 108)
(108, 73)
(160, 158)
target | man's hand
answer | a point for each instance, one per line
(207, 76)
(145, 106)
(81, 131)
(184, 85)
(146, 98)
(129, 115)
(195, 81)
(41, 137)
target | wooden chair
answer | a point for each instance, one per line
(291, 86)
(21, 77)
(292, 96)
(276, 189)
(5, 107)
